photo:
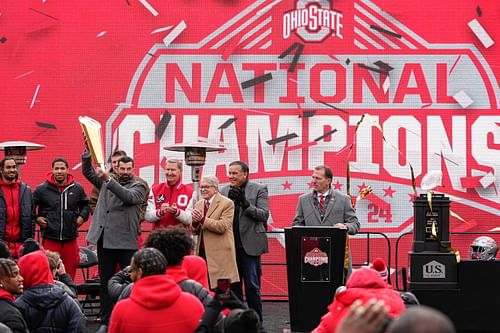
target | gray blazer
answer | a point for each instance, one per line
(338, 210)
(253, 220)
(117, 211)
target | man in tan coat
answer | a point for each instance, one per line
(212, 220)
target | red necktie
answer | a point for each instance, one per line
(207, 205)
(321, 202)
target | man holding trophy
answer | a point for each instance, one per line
(115, 223)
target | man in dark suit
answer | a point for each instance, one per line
(249, 226)
(324, 206)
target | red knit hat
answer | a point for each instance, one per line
(380, 266)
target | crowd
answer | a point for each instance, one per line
(198, 271)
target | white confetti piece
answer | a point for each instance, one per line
(161, 29)
(480, 33)
(76, 167)
(179, 28)
(34, 96)
(487, 180)
(463, 99)
(149, 7)
(23, 75)
(102, 33)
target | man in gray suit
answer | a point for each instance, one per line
(115, 223)
(251, 212)
(326, 207)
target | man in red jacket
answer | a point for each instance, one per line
(156, 303)
(17, 219)
(166, 200)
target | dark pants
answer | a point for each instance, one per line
(108, 261)
(250, 271)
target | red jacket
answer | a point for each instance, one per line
(364, 284)
(11, 197)
(156, 304)
(179, 194)
(196, 269)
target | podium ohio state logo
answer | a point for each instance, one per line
(313, 21)
(316, 257)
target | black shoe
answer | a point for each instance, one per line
(102, 329)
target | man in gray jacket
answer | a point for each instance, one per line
(115, 223)
(251, 211)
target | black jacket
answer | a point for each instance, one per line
(27, 213)
(12, 317)
(61, 209)
(48, 308)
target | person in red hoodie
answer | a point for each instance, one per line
(11, 282)
(62, 208)
(156, 303)
(17, 219)
(46, 308)
(166, 200)
(364, 284)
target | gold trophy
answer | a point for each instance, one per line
(92, 134)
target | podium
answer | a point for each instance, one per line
(315, 269)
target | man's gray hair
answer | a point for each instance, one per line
(176, 161)
(212, 180)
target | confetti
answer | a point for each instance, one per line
(102, 33)
(161, 29)
(149, 7)
(347, 61)
(327, 134)
(373, 69)
(227, 123)
(179, 28)
(34, 96)
(382, 30)
(42, 13)
(3, 40)
(463, 99)
(45, 125)
(479, 11)
(480, 33)
(257, 80)
(23, 75)
(282, 139)
(334, 107)
(308, 114)
(76, 167)
(383, 66)
(165, 120)
(295, 60)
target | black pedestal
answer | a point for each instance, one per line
(433, 270)
(315, 267)
(474, 306)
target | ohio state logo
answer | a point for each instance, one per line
(312, 21)
(316, 257)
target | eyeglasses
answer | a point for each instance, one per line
(205, 187)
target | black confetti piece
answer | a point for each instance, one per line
(165, 119)
(281, 139)
(3, 40)
(382, 30)
(383, 66)
(347, 61)
(45, 125)
(327, 134)
(308, 114)
(295, 60)
(373, 69)
(227, 123)
(479, 11)
(42, 13)
(257, 80)
(334, 107)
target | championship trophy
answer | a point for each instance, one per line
(92, 134)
